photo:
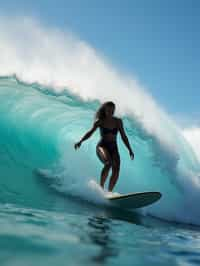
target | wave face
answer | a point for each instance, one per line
(49, 91)
(38, 128)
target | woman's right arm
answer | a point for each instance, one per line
(88, 134)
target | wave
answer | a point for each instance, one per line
(49, 103)
(192, 136)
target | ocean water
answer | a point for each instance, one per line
(53, 213)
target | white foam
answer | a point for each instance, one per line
(193, 137)
(37, 53)
(110, 194)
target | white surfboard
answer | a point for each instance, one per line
(134, 200)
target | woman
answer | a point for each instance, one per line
(107, 149)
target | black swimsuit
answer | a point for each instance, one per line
(105, 130)
(111, 146)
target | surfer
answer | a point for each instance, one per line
(107, 149)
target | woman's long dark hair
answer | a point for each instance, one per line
(100, 114)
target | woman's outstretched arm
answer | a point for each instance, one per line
(87, 135)
(125, 138)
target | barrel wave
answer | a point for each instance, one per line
(51, 84)
(38, 127)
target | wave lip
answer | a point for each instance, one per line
(61, 60)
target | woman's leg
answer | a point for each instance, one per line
(115, 170)
(104, 156)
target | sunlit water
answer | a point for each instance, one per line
(81, 234)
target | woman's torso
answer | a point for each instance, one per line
(109, 129)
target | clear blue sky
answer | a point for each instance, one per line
(156, 40)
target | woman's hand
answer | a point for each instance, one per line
(77, 145)
(131, 153)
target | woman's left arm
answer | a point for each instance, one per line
(125, 138)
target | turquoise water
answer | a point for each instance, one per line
(79, 234)
(51, 214)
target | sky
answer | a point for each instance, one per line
(156, 41)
